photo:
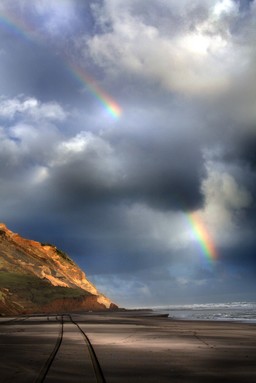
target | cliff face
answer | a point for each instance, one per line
(36, 277)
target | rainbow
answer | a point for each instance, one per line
(80, 74)
(22, 29)
(17, 27)
(202, 235)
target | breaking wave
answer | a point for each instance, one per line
(233, 311)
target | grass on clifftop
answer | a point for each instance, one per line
(36, 290)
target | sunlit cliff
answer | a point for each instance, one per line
(38, 277)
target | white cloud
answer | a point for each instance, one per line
(24, 146)
(50, 111)
(224, 7)
(163, 229)
(75, 144)
(84, 142)
(202, 59)
(225, 200)
(221, 189)
(29, 137)
(8, 108)
(32, 108)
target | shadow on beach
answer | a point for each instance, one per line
(131, 347)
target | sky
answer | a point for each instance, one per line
(128, 140)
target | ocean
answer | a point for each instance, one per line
(233, 311)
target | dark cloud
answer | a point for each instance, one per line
(166, 175)
(244, 149)
(244, 5)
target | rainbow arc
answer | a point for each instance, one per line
(25, 31)
(203, 236)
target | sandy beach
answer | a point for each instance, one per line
(130, 347)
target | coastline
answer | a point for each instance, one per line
(132, 346)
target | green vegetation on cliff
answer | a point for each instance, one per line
(36, 290)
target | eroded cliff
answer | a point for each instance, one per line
(37, 277)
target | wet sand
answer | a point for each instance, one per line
(131, 347)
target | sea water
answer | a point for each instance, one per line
(233, 311)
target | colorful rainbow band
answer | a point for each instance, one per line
(202, 235)
(79, 74)
(19, 27)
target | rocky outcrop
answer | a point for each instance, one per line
(37, 276)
